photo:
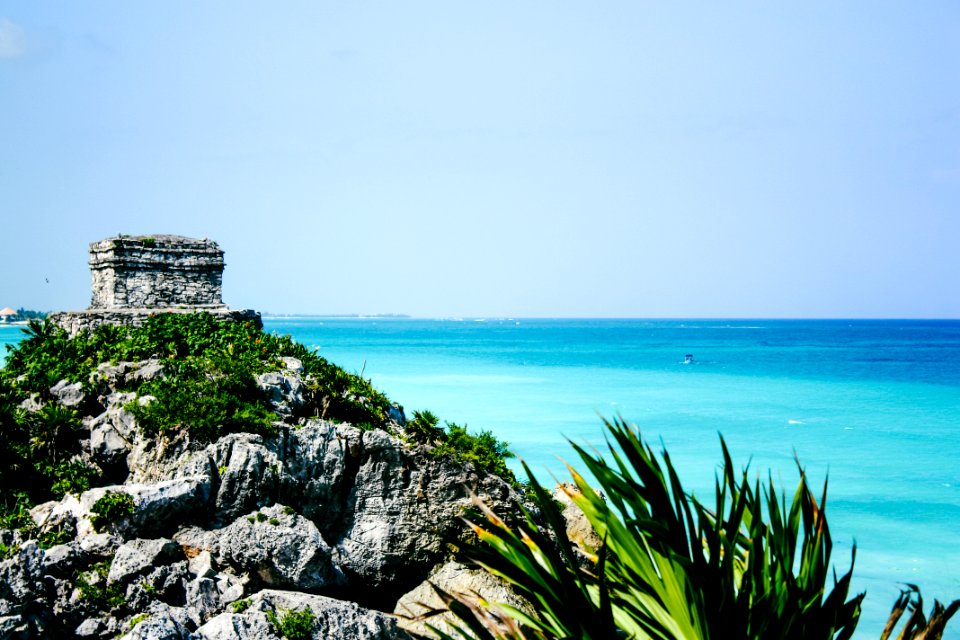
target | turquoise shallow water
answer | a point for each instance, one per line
(873, 404)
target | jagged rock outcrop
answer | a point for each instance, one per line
(414, 608)
(342, 520)
(332, 619)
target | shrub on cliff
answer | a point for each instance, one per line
(208, 387)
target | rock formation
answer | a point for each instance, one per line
(222, 536)
(135, 276)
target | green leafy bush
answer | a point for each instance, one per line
(293, 624)
(239, 606)
(135, 620)
(423, 429)
(483, 450)
(93, 588)
(209, 396)
(112, 507)
(208, 389)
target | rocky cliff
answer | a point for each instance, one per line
(314, 522)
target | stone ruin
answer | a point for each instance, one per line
(134, 277)
(156, 272)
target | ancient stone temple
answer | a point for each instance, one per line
(156, 272)
(136, 276)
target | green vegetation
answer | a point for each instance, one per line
(112, 507)
(749, 565)
(483, 449)
(208, 386)
(135, 620)
(93, 588)
(239, 606)
(212, 396)
(293, 624)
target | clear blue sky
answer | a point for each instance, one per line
(529, 158)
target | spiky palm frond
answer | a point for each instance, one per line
(917, 626)
(750, 566)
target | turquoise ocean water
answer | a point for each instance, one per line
(873, 404)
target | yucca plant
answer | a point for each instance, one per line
(748, 566)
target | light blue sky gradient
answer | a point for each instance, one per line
(494, 158)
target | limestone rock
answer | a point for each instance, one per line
(159, 507)
(292, 364)
(579, 529)
(242, 469)
(146, 371)
(101, 545)
(21, 578)
(458, 580)
(282, 549)
(319, 463)
(250, 625)
(135, 557)
(113, 433)
(67, 394)
(249, 473)
(333, 619)
(62, 559)
(284, 389)
(53, 515)
(90, 628)
(403, 507)
(202, 565)
(32, 404)
(14, 628)
(163, 623)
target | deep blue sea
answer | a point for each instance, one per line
(873, 404)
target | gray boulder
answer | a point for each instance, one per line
(102, 545)
(67, 394)
(32, 403)
(14, 628)
(285, 388)
(136, 557)
(404, 507)
(162, 623)
(319, 463)
(62, 559)
(579, 529)
(332, 619)
(21, 579)
(160, 507)
(281, 549)
(460, 581)
(113, 433)
(110, 377)
(91, 628)
(242, 469)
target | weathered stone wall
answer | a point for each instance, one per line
(149, 272)
(135, 277)
(73, 322)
